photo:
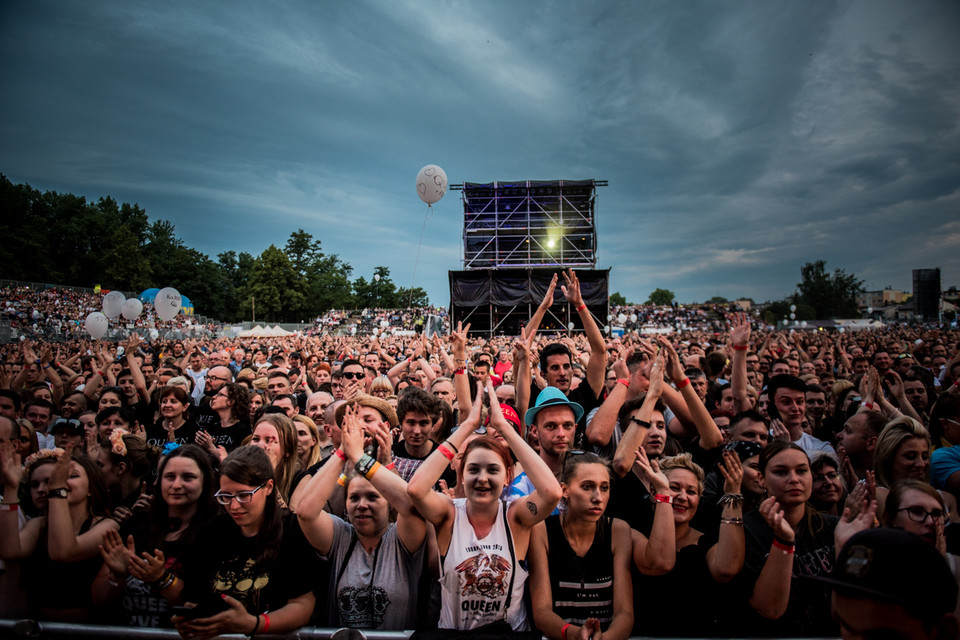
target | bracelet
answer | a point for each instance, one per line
(734, 499)
(659, 497)
(731, 520)
(625, 383)
(786, 547)
(100, 373)
(683, 383)
(342, 480)
(364, 464)
(449, 455)
(460, 371)
(340, 454)
(255, 628)
(391, 466)
(373, 470)
(172, 582)
(563, 631)
(582, 306)
(740, 347)
(868, 405)
(266, 622)
(10, 506)
(451, 445)
(165, 582)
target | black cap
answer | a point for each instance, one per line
(897, 567)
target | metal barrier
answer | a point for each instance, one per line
(39, 630)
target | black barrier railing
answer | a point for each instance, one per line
(41, 630)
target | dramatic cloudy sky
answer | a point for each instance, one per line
(740, 139)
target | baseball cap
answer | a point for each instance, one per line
(884, 564)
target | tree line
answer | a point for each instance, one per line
(61, 238)
(819, 295)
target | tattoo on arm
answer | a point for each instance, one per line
(532, 507)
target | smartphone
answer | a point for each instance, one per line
(209, 606)
(773, 412)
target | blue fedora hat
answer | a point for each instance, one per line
(552, 397)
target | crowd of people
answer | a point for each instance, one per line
(725, 480)
(57, 314)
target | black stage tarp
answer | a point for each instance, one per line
(500, 301)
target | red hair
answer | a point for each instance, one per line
(490, 444)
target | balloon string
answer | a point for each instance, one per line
(415, 262)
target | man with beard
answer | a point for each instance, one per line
(553, 422)
(556, 360)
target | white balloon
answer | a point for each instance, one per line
(97, 325)
(113, 304)
(606, 328)
(633, 317)
(353, 330)
(167, 303)
(570, 326)
(132, 309)
(793, 307)
(431, 183)
(622, 318)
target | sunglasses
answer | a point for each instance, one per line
(353, 375)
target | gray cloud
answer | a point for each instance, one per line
(740, 140)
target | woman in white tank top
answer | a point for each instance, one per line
(483, 540)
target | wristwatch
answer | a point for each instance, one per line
(62, 492)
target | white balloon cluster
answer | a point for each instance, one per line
(115, 304)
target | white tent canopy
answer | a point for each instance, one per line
(275, 331)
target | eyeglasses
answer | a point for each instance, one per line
(956, 422)
(919, 514)
(833, 475)
(242, 497)
(210, 377)
(353, 375)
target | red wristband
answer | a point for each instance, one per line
(392, 465)
(266, 622)
(460, 371)
(659, 497)
(786, 548)
(563, 631)
(449, 455)
(582, 307)
(624, 382)
(340, 454)
(740, 347)
(683, 383)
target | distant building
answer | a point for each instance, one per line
(878, 299)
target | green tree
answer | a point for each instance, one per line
(661, 297)
(831, 295)
(717, 300)
(617, 299)
(274, 287)
(412, 297)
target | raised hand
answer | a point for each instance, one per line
(571, 290)
(655, 387)
(732, 471)
(651, 473)
(740, 330)
(148, 567)
(117, 555)
(773, 515)
(351, 442)
(547, 301)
